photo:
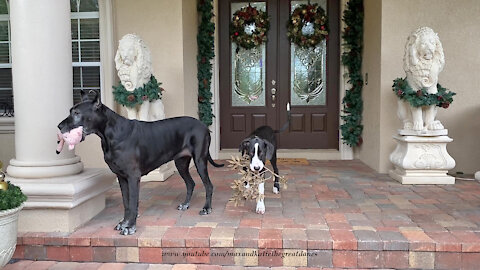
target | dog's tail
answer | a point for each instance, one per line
(213, 162)
(289, 117)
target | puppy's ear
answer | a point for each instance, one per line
(83, 96)
(244, 145)
(270, 149)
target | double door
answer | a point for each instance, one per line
(256, 84)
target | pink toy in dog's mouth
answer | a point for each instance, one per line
(72, 138)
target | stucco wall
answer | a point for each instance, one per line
(456, 23)
(169, 28)
(190, 82)
(369, 151)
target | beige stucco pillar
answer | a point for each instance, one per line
(61, 194)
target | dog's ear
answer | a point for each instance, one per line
(96, 101)
(83, 96)
(244, 146)
(270, 149)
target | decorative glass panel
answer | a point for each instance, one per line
(74, 5)
(74, 27)
(308, 69)
(4, 53)
(85, 47)
(75, 53)
(6, 93)
(83, 5)
(77, 78)
(4, 31)
(3, 7)
(91, 77)
(5, 79)
(86, 78)
(89, 29)
(248, 69)
(88, 5)
(90, 51)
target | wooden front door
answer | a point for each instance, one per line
(256, 84)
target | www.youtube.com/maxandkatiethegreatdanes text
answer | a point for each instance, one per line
(253, 253)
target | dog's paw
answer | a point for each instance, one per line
(121, 225)
(128, 230)
(183, 206)
(276, 190)
(205, 211)
(260, 207)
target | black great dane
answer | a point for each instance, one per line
(134, 148)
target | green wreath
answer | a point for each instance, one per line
(307, 25)
(150, 91)
(443, 98)
(249, 27)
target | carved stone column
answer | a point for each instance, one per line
(62, 195)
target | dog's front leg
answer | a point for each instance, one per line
(260, 204)
(131, 219)
(124, 188)
(276, 184)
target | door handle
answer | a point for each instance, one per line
(274, 91)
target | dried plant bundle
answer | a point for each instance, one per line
(246, 187)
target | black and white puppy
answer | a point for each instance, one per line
(260, 146)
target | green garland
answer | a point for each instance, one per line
(443, 98)
(150, 91)
(11, 198)
(205, 43)
(307, 13)
(246, 16)
(352, 58)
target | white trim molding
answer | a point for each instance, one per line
(107, 52)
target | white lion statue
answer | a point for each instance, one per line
(423, 61)
(134, 68)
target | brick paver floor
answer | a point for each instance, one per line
(333, 214)
(53, 265)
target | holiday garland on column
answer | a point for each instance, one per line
(352, 58)
(205, 43)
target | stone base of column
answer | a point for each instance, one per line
(422, 177)
(161, 174)
(63, 204)
(422, 160)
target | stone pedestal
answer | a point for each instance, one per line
(161, 174)
(422, 160)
